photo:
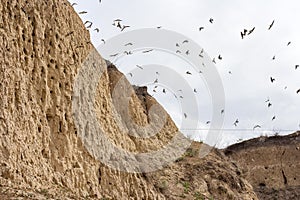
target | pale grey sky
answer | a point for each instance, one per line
(249, 60)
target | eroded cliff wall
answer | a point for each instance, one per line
(43, 45)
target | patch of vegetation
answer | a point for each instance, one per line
(198, 196)
(44, 192)
(162, 186)
(179, 159)
(276, 134)
(186, 187)
(191, 152)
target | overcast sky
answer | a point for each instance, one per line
(249, 60)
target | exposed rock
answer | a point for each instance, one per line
(271, 165)
(212, 177)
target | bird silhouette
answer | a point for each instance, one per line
(128, 52)
(195, 90)
(185, 115)
(164, 90)
(119, 25)
(178, 51)
(147, 51)
(103, 41)
(269, 105)
(187, 52)
(268, 100)
(189, 73)
(74, 4)
(251, 31)
(211, 20)
(236, 122)
(124, 27)
(97, 30)
(243, 33)
(222, 111)
(128, 44)
(114, 55)
(82, 12)
(139, 66)
(296, 66)
(288, 43)
(256, 126)
(298, 91)
(273, 118)
(90, 24)
(272, 79)
(214, 60)
(201, 28)
(185, 41)
(274, 57)
(271, 25)
(220, 57)
(208, 122)
(155, 81)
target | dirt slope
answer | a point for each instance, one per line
(271, 165)
(43, 47)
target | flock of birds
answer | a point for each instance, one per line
(118, 23)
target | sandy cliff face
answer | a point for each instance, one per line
(43, 45)
(271, 165)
